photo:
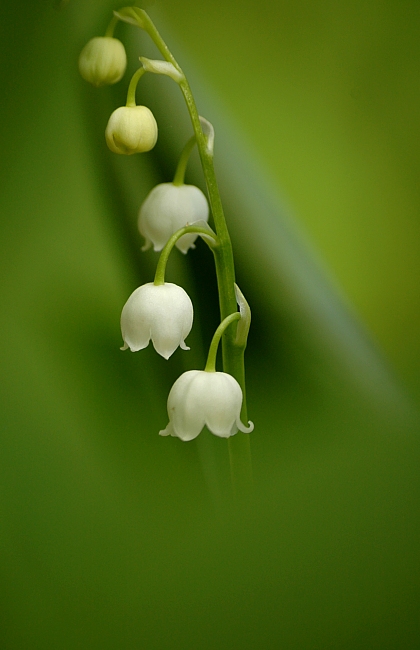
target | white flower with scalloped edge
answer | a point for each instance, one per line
(166, 209)
(199, 398)
(163, 313)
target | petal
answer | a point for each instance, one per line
(135, 319)
(243, 428)
(221, 403)
(187, 420)
(169, 431)
(171, 318)
(155, 216)
(135, 345)
(147, 244)
(186, 242)
(167, 208)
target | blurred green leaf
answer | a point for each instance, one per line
(113, 537)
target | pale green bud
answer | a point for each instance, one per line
(131, 129)
(103, 61)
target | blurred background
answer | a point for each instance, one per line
(113, 537)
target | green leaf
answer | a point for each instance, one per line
(111, 536)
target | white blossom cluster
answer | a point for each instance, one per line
(161, 311)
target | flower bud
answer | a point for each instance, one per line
(166, 209)
(163, 313)
(103, 61)
(131, 129)
(199, 398)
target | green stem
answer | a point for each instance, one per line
(110, 29)
(164, 256)
(183, 162)
(131, 92)
(211, 358)
(233, 355)
(225, 269)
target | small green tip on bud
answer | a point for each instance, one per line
(131, 129)
(103, 61)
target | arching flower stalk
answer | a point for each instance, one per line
(174, 214)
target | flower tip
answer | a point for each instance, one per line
(184, 246)
(124, 347)
(164, 352)
(147, 244)
(243, 428)
(168, 431)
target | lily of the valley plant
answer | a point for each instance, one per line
(174, 214)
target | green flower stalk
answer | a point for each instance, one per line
(174, 214)
(233, 362)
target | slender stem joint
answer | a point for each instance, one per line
(201, 228)
(131, 92)
(183, 162)
(211, 359)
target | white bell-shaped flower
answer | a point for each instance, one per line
(131, 129)
(199, 398)
(102, 61)
(163, 313)
(166, 209)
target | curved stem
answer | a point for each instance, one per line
(183, 162)
(233, 355)
(164, 256)
(110, 29)
(211, 358)
(131, 92)
(225, 269)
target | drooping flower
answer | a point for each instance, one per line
(163, 313)
(199, 398)
(131, 129)
(166, 209)
(103, 61)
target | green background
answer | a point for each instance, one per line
(112, 537)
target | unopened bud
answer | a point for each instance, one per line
(131, 129)
(103, 61)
